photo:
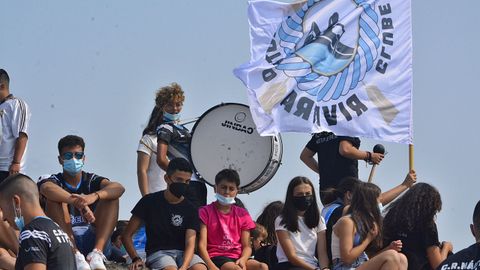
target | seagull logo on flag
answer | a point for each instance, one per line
(329, 55)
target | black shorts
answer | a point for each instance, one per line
(3, 175)
(221, 260)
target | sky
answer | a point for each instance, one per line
(91, 68)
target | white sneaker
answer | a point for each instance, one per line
(81, 262)
(96, 259)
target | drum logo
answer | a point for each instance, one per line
(236, 125)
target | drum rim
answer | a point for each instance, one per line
(271, 150)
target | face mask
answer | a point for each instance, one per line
(19, 221)
(178, 189)
(225, 200)
(171, 117)
(72, 166)
(302, 203)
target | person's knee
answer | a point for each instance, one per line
(230, 266)
(198, 266)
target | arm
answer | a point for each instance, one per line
(347, 150)
(307, 156)
(189, 248)
(19, 150)
(162, 159)
(287, 246)
(202, 248)
(322, 249)
(246, 249)
(110, 190)
(143, 160)
(390, 195)
(437, 255)
(345, 230)
(127, 240)
(55, 193)
(35, 266)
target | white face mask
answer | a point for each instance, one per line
(225, 200)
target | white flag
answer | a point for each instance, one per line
(331, 65)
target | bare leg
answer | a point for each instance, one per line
(387, 260)
(106, 217)
(256, 265)
(230, 266)
(58, 212)
(7, 262)
(198, 266)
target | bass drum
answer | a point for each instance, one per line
(225, 137)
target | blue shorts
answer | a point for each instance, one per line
(85, 238)
(172, 257)
(339, 265)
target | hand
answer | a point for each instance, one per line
(377, 158)
(87, 214)
(396, 245)
(14, 168)
(410, 179)
(447, 245)
(373, 233)
(241, 262)
(81, 201)
(138, 264)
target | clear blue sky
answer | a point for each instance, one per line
(91, 68)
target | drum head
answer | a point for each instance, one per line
(226, 137)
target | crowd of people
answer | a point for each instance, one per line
(69, 220)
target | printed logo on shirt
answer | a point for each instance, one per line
(33, 249)
(461, 265)
(177, 220)
(61, 236)
(26, 234)
(226, 243)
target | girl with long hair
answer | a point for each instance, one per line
(359, 230)
(300, 229)
(150, 176)
(412, 220)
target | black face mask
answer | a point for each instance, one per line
(178, 189)
(302, 203)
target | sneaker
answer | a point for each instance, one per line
(81, 262)
(96, 260)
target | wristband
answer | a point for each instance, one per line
(136, 259)
(15, 162)
(98, 195)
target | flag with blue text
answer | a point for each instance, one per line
(337, 65)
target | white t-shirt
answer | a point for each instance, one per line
(155, 174)
(304, 240)
(14, 118)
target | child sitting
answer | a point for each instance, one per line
(225, 228)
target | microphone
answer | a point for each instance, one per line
(379, 149)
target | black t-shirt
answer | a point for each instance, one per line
(468, 258)
(332, 166)
(42, 241)
(165, 223)
(178, 140)
(90, 183)
(415, 244)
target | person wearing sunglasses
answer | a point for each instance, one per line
(85, 205)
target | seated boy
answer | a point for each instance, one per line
(225, 228)
(75, 199)
(171, 224)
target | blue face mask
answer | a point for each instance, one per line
(19, 221)
(72, 166)
(225, 200)
(171, 117)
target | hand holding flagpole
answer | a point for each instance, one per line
(380, 149)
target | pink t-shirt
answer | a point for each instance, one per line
(224, 230)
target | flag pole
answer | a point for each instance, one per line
(410, 156)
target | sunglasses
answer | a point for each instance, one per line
(70, 155)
